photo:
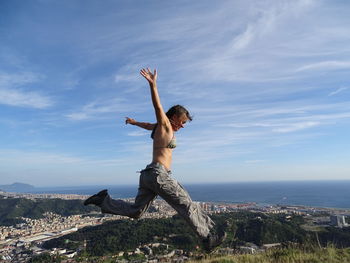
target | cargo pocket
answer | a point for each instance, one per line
(164, 182)
(172, 191)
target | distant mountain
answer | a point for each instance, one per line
(17, 187)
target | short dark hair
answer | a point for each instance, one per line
(178, 110)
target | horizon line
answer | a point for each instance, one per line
(186, 183)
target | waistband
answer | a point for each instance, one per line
(157, 165)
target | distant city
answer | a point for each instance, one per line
(30, 234)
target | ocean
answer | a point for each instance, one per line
(332, 194)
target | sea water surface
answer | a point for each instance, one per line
(333, 194)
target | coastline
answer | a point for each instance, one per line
(327, 194)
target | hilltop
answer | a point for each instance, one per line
(291, 255)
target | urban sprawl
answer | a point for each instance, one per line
(30, 234)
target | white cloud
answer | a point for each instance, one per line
(250, 56)
(254, 161)
(224, 132)
(11, 95)
(265, 41)
(138, 133)
(243, 40)
(17, 79)
(326, 65)
(98, 109)
(20, 98)
(268, 122)
(129, 78)
(36, 158)
(128, 75)
(296, 127)
(235, 41)
(77, 116)
(337, 91)
(243, 68)
(47, 160)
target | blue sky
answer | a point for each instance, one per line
(267, 82)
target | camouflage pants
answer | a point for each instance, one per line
(156, 180)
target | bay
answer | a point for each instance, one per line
(332, 194)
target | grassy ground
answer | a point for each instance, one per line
(287, 255)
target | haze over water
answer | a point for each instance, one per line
(333, 194)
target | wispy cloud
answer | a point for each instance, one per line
(46, 158)
(20, 98)
(98, 109)
(138, 133)
(37, 158)
(127, 77)
(17, 79)
(255, 74)
(236, 131)
(337, 91)
(11, 94)
(282, 118)
(260, 48)
(296, 127)
(326, 65)
(254, 161)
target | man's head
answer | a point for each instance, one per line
(178, 116)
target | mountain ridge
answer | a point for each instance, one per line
(17, 187)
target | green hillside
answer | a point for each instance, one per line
(121, 235)
(12, 209)
(287, 255)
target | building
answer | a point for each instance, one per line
(338, 221)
